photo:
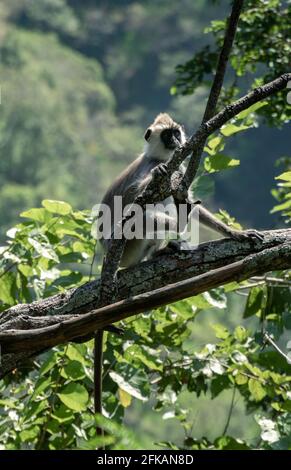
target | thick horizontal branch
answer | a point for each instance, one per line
(146, 276)
(264, 260)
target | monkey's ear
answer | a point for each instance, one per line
(147, 134)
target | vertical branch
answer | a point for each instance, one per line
(216, 86)
(223, 60)
(98, 366)
(229, 412)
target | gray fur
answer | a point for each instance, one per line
(132, 181)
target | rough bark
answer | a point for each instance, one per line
(160, 281)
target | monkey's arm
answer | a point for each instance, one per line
(209, 220)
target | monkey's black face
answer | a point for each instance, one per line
(171, 138)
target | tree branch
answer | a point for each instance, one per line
(198, 141)
(273, 254)
(223, 60)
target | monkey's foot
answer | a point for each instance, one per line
(172, 247)
(247, 235)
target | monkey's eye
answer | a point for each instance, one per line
(147, 134)
(177, 133)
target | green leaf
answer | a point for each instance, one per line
(240, 333)
(219, 384)
(57, 207)
(37, 214)
(127, 387)
(251, 109)
(257, 390)
(200, 302)
(74, 396)
(71, 279)
(173, 90)
(214, 143)
(142, 325)
(220, 331)
(229, 443)
(29, 434)
(282, 207)
(219, 162)
(284, 176)
(63, 414)
(73, 370)
(97, 442)
(76, 352)
(34, 409)
(241, 379)
(144, 355)
(124, 398)
(43, 384)
(7, 288)
(49, 363)
(230, 129)
(254, 302)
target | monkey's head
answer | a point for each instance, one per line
(163, 136)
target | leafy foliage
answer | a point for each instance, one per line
(46, 253)
(261, 53)
(49, 406)
(282, 194)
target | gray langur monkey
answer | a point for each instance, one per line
(162, 137)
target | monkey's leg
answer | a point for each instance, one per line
(209, 220)
(157, 227)
(160, 225)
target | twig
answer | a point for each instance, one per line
(197, 142)
(229, 411)
(8, 269)
(268, 339)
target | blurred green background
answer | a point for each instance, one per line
(81, 80)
